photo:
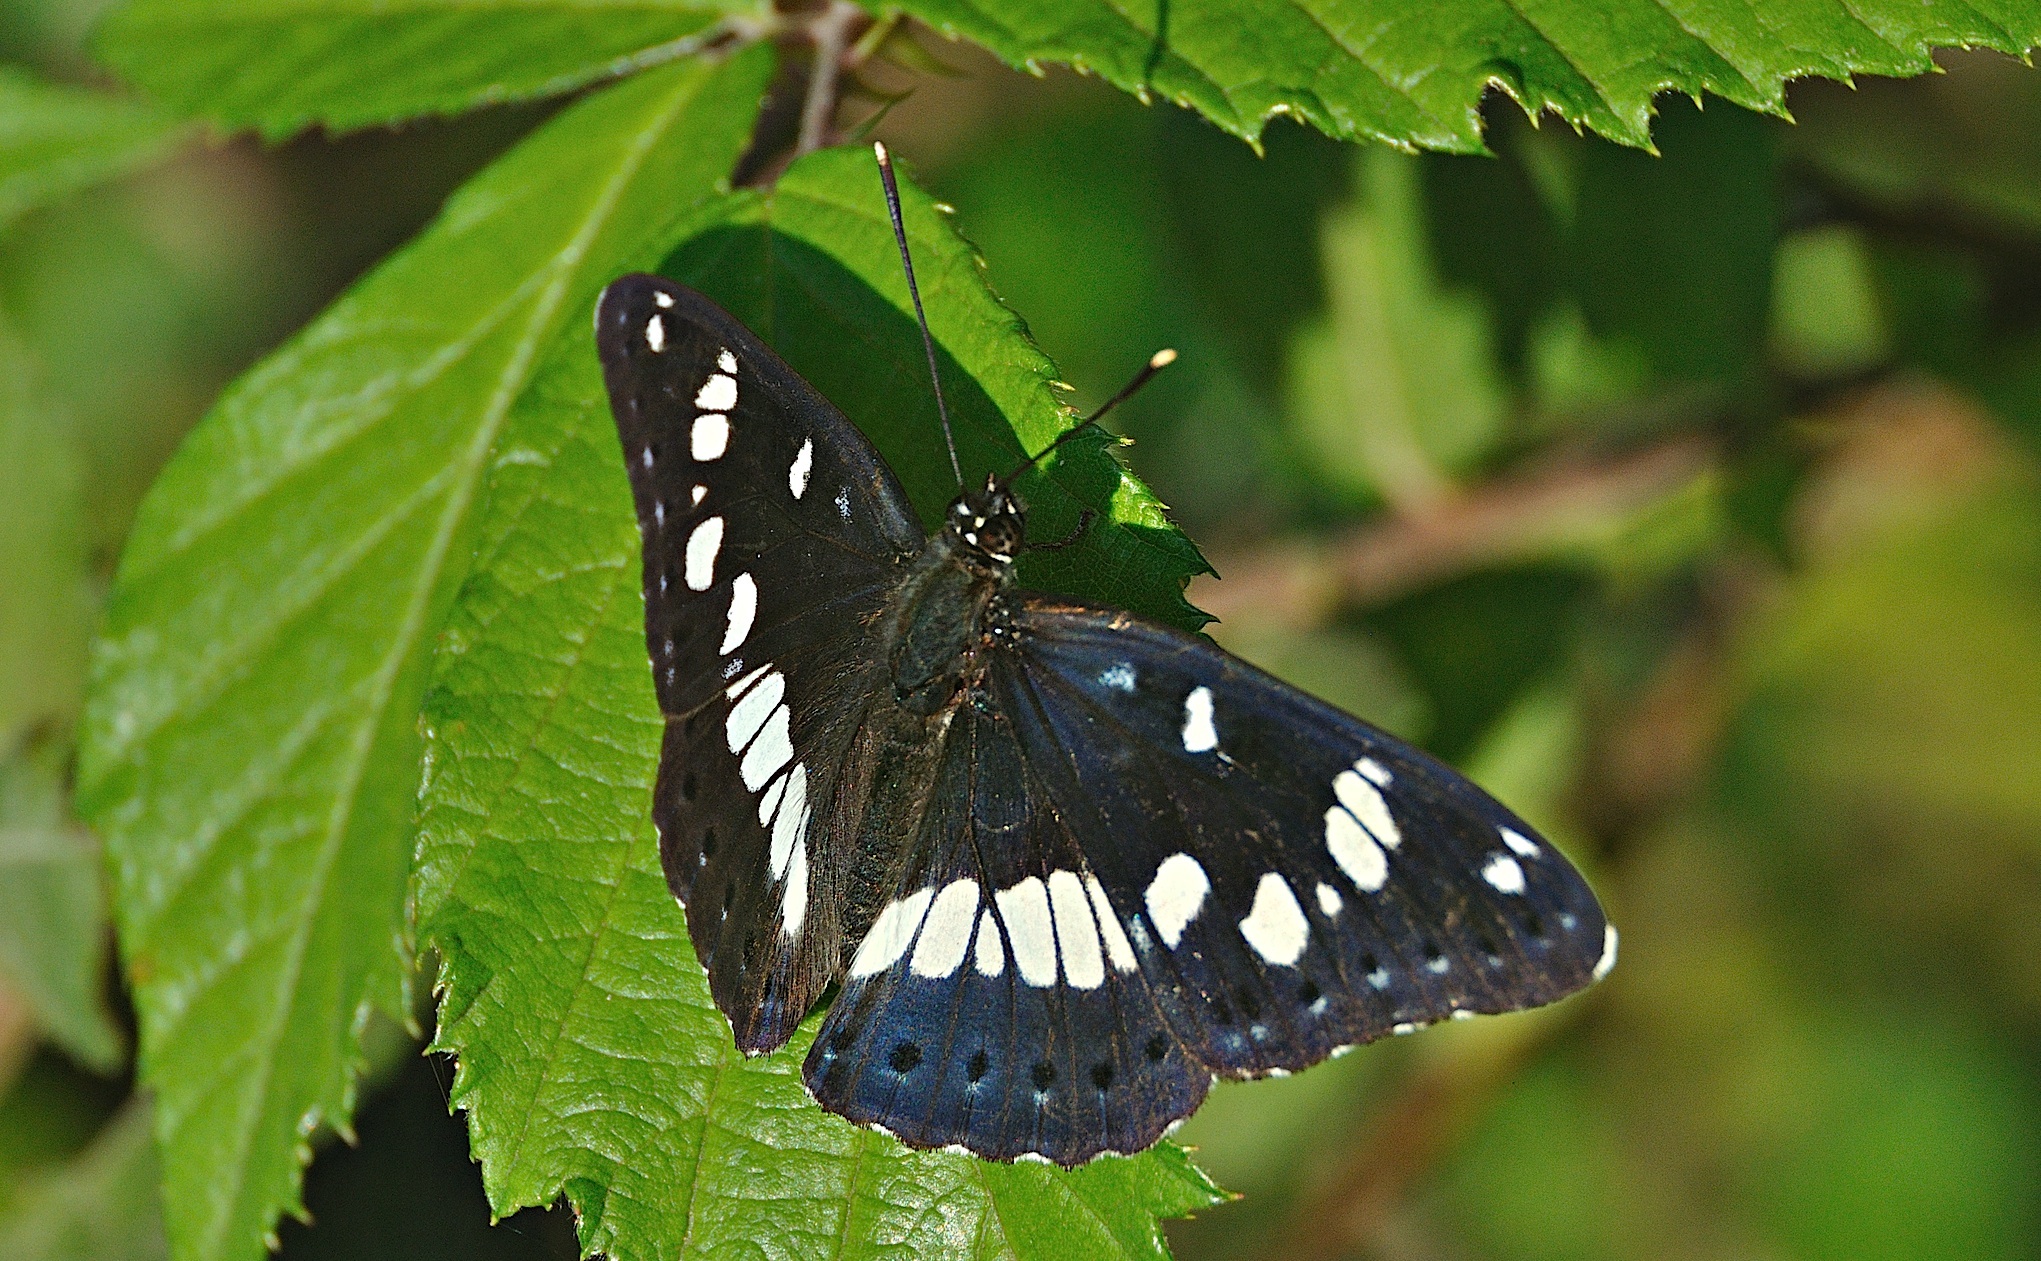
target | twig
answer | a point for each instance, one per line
(832, 32)
(1484, 525)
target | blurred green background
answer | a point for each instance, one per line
(1688, 501)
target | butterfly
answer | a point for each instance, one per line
(1064, 867)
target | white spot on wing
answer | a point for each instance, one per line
(790, 825)
(766, 805)
(1355, 851)
(645, 457)
(718, 393)
(695, 495)
(990, 950)
(662, 300)
(1375, 773)
(1176, 895)
(743, 609)
(1199, 735)
(1083, 964)
(710, 437)
(1025, 911)
(1119, 677)
(749, 714)
(744, 683)
(1503, 874)
(1275, 926)
(726, 361)
(946, 933)
(794, 898)
(1118, 949)
(703, 542)
(890, 933)
(797, 472)
(1329, 900)
(773, 749)
(1608, 959)
(1364, 800)
(655, 334)
(843, 503)
(1519, 844)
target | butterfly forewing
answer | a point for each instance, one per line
(1293, 880)
(772, 533)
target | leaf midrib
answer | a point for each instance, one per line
(510, 383)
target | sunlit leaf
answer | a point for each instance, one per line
(1415, 73)
(250, 748)
(592, 1062)
(282, 65)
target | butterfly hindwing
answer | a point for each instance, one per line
(772, 533)
(995, 1004)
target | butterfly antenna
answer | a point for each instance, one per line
(1156, 362)
(914, 291)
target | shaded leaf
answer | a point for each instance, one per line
(813, 269)
(100, 1204)
(45, 604)
(592, 1061)
(1415, 74)
(53, 932)
(282, 65)
(1397, 388)
(250, 746)
(55, 141)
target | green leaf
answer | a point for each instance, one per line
(53, 916)
(282, 65)
(250, 746)
(100, 1204)
(812, 267)
(1397, 388)
(591, 1059)
(1414, 73)
(45, 603)
(55, 141)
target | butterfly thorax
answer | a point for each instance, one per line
(937, 621)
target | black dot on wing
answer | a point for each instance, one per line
(1157, 1048)
(1220, 1011)
(1534, 924)
(1370, 963)
(1432, 953)
(978, 1066)
(708, 844)
(1250, 1006)
(1102, 1075)
(1044, 1074)
(906, 1057)
(688, 786)
(1308, 993)
(1487, 945)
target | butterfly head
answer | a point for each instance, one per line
(990, 521)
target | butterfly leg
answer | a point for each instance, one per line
(1084, 521)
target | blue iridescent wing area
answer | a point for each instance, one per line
(772, 533)
(995, 1004)
(1206, 872)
